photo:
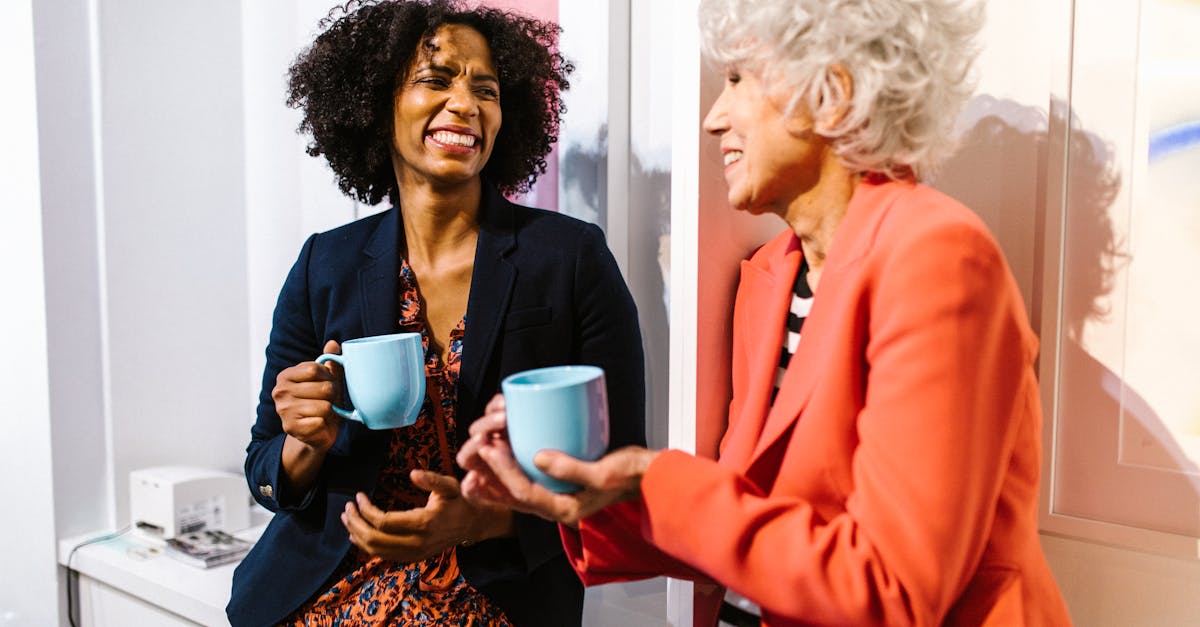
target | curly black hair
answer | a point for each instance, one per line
(344, 85)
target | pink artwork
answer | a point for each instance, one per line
(544, 194)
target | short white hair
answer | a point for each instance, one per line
(910, 62)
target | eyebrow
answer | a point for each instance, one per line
(445, 69)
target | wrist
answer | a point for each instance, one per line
(301, 463)
(640, 466)
(645, 459)
(494, 522)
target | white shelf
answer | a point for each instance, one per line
(142, 569)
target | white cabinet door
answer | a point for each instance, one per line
(104, 606)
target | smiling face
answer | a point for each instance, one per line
(446, 110)
(772, 159)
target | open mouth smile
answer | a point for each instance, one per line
(451, 138)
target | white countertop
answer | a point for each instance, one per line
(139, 567)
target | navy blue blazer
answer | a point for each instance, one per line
(545, 291)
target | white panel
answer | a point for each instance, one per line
(104, 606)
(74, 272)
(1125, 412)
(684, 252)
(1162, 340)
(175, 234)
(273, 198)
(1103, 586)
(28, 584)
(289, 194)
(617, 175)
(649, 200)
(583, 135)
(1106, 586)
(633, 604)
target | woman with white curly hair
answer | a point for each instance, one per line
(882, 456)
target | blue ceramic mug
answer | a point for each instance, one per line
(385, 377)
(563, 408)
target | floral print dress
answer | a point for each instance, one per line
(375, 591)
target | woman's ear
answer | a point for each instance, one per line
(837, 90)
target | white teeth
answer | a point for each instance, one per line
(456, 139)
(732, 156)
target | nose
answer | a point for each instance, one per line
(462, 100)
(717, 120)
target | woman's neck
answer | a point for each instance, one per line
(440, 224)
(815, 215)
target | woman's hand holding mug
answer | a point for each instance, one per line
(304, 396)
(495, 476)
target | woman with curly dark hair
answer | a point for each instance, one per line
(440, 109)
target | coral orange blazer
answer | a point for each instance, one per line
(895, 479)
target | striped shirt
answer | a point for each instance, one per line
(802, 299)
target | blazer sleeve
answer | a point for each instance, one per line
(294, 339)
(609, 546)
(948, 352)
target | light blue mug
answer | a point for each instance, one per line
(563, 408)
(385, 377)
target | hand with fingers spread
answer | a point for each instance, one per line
(447, 519)
(494, 476)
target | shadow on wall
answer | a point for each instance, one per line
(1098, 412)
(583, 169)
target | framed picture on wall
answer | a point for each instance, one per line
(1123, 430)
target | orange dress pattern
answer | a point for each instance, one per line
(375, 591)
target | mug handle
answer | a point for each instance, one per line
(344, 413)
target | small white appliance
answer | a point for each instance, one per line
(167, 501)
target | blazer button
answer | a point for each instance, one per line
(267, 491)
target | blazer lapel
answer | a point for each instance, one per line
(379, 276)
(491, 285)
(765, 291)
(797, 386)
(853, 240)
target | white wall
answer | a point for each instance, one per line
(288, 195)
(174, 229)
(272, 198)
(28, 577)
(1107, 586)
(143, 223)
